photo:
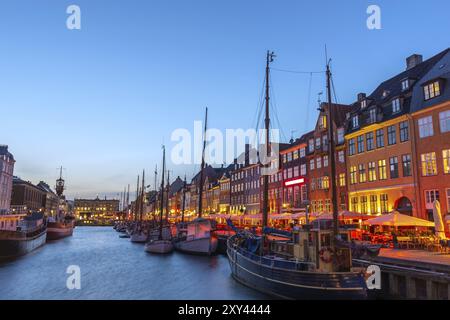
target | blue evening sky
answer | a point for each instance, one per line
(101, 100)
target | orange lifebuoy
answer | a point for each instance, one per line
(326, 254)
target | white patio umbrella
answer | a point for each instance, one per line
(396, 219)
(439, 228)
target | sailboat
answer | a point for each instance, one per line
(196, 237)
(139, 235)
(162, 244)
(61, 225)
(311, 265)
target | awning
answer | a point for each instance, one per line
(396, 219)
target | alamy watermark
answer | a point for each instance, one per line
(73, 21)
(74, 279)
(373, 281)
(374, 20)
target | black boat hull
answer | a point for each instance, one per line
(294, 284)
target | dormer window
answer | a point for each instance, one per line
(432, 90)
(385, 93)
(363, 104)
(405, 84)
(355, 122)
(372, 115)
(323, 122)
(396, 105)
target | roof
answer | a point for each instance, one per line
(390, 89)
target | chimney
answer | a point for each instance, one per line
(413, 61)
(361, 96)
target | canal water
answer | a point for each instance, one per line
(115, 268)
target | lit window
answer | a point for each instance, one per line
(363, 204)
(429, 164)
(384, 203)
(323, 122)
(382, 170)
(362, 173)
(372, 172)
(446, 161)
(444, 120)
(432, 90)
(425, 127)
(354, 204)
(353, 175)
(342, 179)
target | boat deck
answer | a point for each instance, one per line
(421, 257)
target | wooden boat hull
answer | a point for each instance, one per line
(203, 246)
(295, 284)
(159, 246)
(12, 246)
(58, 230)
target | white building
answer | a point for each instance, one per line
(6, 178)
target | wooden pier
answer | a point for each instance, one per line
(411, 274)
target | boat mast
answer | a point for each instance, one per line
(167, 195)
(202, 167)
(269, 58)
(136, 201)
(156, 191)
(184, 200)
(141, 203)
(161, 205)
(332, 159)
(128, 197)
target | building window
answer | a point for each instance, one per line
(393, 167)
(382, 169)
(373, 204)
(363, 104)
(318, 142)
(354, 204)
(311, 145)
(405, 84)
(431, 196)
(384, 203)
(289, 157)
(404, 131)
(302, 153)
(391, 135)
(353, 175)
(429, 164)
(444, 120)
(319, 162)
(369, 141)
(448, 200)
(327, 205)
(326, 183)
(325, 161)
(342, 179)
(364, 204)
(406, 159)
(432, 90)
(380, 138)
(360, 144)
(446, 160)
(341, 156)
(372, 172)
(362, 173)
(372, 115)
(396, 105)
(296, 171)
(351, 147)
(425, 127)
(319, 205)
(311, 164)
(284, 158)
(323, 122)
(303, 170)
(355, 122)
(340, 135)
(295, 155)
